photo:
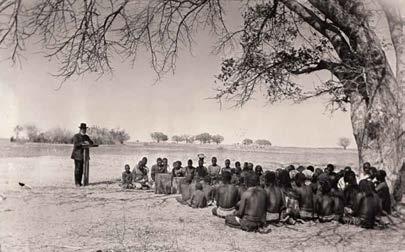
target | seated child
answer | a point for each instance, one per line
(127, 178)
(198, 199)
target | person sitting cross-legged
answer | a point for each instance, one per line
(198, 198)
(275, 198)
(251, 215)
(226, 197)
(126, 182)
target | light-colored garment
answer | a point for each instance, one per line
(341, 184)
(304, 214)
(271, 217)
(223, 212)
(214, 170)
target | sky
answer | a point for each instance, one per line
(178, 104)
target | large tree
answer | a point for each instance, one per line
(279, 40)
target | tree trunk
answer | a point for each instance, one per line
(378, 124)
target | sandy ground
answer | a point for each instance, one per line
(56, 216)
(105, 217)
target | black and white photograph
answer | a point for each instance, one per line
(202, 125)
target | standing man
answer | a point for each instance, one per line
(79, 140)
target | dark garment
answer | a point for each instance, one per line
(78, 150)
(384, 193)
(202, 172)
(78, 172)
(243, 223)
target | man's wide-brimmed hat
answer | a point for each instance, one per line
(83, 126)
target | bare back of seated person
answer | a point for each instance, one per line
(198, 199)
(227, 195)
(367, 205)
(274, 194)
(304, 192)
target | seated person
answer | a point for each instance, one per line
(350, 191)
(157, 168)
(213, 170)
(227, 167)
(178, 171)
(338, 198)
(383, 191)
(208, 189)
(185, 190)
(367, 206)
(190, 169)
(274, 197)
(305, 197)
(127, 178)
(226, 197)
(200, 171)
(140, 175)
(198, 198)
(324, 202)
(251, 215)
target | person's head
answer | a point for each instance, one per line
(347, 169)
(200, 162)
(290, 168)
(299, 179)
(214, 161)
(237, 165)
(317, 173)
(284, 179)
(270, 178)
(226, 177)
(190, 162)
(83, 128)
(159, 161)
(252, 180)
(144, 160)
(350, 178)
(175, 165)
(300, 168)
(245, 166)
(250, 166)
(198, 186)
(329, 168)
(292, 174)
(311, 168)
(179, 163)
(366, 168)
(381, 174)
(259, 170)
(373, 172)
(324, 183)
(227, 163)
(308, 174)
(127, 168)
(334, 179)
(366, 186)
(165, 161)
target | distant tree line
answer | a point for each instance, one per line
(203, 138)
(261, 142)
(31, 133)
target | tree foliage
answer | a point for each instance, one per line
(247, 141)
(159, 137)
(217, 139)
(203, 138)
(177, 139)
(263, 142)
(344, 142)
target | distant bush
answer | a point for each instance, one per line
(203, 138)
(263, 142)
(217, 139)
(247, 141)
(159, 137)
(99, 135)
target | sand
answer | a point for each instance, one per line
(56, 216)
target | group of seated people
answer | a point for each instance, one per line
(253, 200)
